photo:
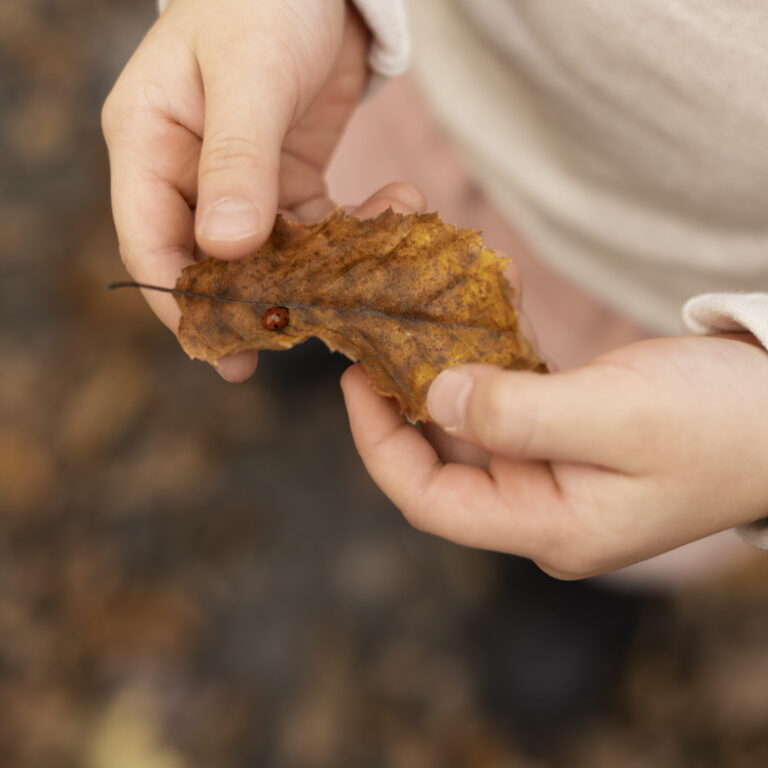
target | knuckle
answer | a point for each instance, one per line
(559, 575)
(130, 258)
(133, 258)
(574, 561)
(109, 112)
(225, 152)
(567, 549)
(125, 257)
(416, 518)
(121, 114)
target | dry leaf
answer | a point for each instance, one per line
(407, 296)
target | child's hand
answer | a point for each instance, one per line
(226, 112)
(642, 450)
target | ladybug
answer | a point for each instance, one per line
(274, 318)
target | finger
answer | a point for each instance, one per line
(247, 114)
(399, 196)
(150, 162)
(459, 503)
(451, 449)
(313, 210)
(586, 415)
(237, 368)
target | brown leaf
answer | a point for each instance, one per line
(407, 296)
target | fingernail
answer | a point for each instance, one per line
(229, 220)
(447, 399)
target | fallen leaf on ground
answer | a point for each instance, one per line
(407, 296)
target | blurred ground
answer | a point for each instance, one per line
(197, 574)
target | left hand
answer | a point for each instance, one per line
(642, 450)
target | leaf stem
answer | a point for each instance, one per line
(180, 292)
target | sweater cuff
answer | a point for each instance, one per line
(391, 49)
(390, 53)
(713, 313)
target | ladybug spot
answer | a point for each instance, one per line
(274, 318)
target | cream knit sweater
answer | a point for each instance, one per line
(627, 141)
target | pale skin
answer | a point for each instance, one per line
(643, 449)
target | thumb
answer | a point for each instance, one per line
(247, 114)
(580, 415)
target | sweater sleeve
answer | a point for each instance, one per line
(728, 313)
(390, 53)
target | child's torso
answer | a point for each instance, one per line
(623, 136)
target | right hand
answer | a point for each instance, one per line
(222, 116)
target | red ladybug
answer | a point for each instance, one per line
(274, 318)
